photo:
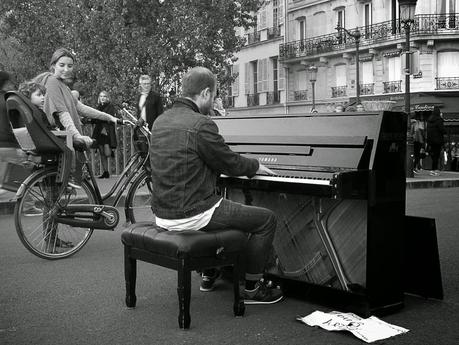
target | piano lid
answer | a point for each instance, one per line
(344, 141)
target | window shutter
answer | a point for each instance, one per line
(265, 75)
(259, 76)
(235, 85)
(281, 73)
(247, 78)
(263, 19)
(270, 75)
(280, 12)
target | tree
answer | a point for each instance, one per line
(117, 40)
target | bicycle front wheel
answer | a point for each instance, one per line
(35, 213)
(138, 200)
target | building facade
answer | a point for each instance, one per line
(308, 37)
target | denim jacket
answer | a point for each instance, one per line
(187, 155)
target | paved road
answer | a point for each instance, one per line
(80, 300)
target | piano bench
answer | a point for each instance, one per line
(183, 251)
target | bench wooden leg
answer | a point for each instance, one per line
(184, 294)
(130, 274)
(238, 306)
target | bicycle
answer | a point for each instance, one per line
(69, 215)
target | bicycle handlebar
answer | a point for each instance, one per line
(133, 121)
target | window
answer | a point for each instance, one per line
(447, 64)
(254, 76)
(262, 18)
(367, 72)
(235, 84)
(319, 24)
(301, 28)
(340, 75)
(446, 6)
(394, 68)
(261, 78)
(341, 23)
(275, 74)
(302, 80)
(276, 13)
(367, 18)
(340, 18)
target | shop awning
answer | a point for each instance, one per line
(423, 101)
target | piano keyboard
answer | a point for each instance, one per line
(285, 179)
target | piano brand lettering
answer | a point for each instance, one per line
(267, 159)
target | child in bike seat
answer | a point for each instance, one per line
(36, 93)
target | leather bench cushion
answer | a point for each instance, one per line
(150, 237)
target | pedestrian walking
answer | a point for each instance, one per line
(435, 140)
(418, 135)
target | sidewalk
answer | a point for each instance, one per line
(447, 179)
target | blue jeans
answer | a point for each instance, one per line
(260, 223)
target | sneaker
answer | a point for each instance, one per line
(264, 293)
(208, 279)
(434, 173)
(415, 171)
(32, 212)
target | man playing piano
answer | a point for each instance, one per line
(187, 156)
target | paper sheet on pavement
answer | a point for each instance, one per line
(368, 330)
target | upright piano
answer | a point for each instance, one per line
(339, 195)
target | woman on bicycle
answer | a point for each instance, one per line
(59, 101)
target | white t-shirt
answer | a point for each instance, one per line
(196, 222)
(143, 111)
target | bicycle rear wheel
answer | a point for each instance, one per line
(138, 200)
(35, 212)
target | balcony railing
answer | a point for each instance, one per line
(367, 89)
(424, 24)
(273, 97)
(339, 91)
(446, 83)
(253, 37)
(274, 32)
(253, 99)
(392, 86)
(300, 95)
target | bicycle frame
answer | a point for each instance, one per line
(80, 214)
(134, 167)
(135, 164)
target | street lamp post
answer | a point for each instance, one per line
(407, 11)
(312, 79)
(356, 36)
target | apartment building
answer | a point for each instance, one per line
(309, 38)
(260, 83)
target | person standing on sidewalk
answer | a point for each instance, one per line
(435, 140)
(149, 103)
(417, 133)
(104, 132)
(187, 154)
